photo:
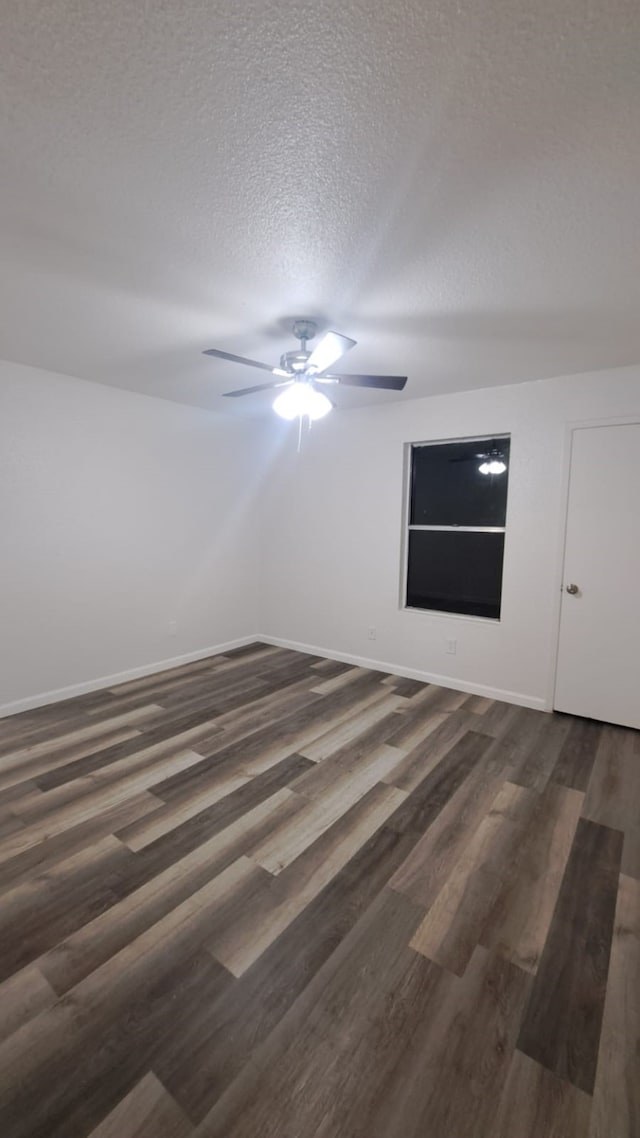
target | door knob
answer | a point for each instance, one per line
(573, 589)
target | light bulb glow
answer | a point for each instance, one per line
(301, 399)
(496, 466)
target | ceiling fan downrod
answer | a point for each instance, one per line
(295, 362)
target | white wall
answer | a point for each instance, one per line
(118, 514)
(333, 523)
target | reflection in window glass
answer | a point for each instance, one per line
(457, 517)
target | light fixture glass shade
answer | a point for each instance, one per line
(301, 399)
(496, 466)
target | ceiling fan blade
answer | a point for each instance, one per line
(241, 360)
(259, 387)
(384, 382)
(330, 349)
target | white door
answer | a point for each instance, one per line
(599, 650)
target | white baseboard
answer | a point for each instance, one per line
(519, 698)
(59, 694)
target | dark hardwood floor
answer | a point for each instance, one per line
(268, 895)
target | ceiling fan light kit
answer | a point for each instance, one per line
(301, 371)
(301, 398)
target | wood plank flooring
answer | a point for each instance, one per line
(268, 895)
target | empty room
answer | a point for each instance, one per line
(319, 569)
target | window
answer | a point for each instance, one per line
(456, 525)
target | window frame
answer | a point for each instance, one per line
(407, 526)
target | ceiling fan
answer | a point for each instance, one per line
(493, 460)
(301, 374)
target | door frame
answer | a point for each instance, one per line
(570, 428)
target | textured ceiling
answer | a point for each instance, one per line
(454, 184)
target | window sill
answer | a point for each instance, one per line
(492, 620)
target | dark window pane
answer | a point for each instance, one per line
(447, 488)
(455, 572)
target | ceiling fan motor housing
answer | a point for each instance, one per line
(294, 361)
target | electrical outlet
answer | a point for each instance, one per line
(452, 647)
(371, 633)
(173, 628)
